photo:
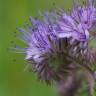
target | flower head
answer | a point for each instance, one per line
(85, 14)
(43, 47)
(78, 24)
(46, 51)
(70, 29)
(58, 45)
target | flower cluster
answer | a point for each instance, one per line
(59, 43)
(79, 22)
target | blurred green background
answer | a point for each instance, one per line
(14, 81)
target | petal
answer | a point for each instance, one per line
(64, 35)
(87, 34)
(66, 23)
(79, 36)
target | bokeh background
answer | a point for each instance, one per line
(14, 81)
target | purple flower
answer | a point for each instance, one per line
(42, 47)
(85, 14)
(58, 47)
(45, 50)
(56, 41)
(77, 24)
(51, 42)
(70, 29)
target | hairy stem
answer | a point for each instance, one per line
(69, 84)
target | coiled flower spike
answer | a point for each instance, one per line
(45, 50)
(58, 47)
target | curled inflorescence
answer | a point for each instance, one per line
(59, 45)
